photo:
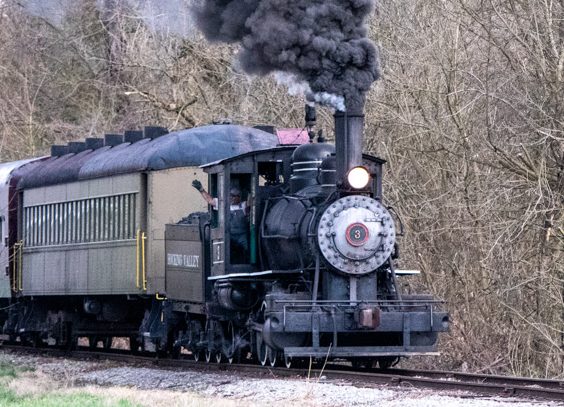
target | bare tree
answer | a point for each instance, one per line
(470, 118)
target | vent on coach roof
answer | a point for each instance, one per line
(154, 132)
(132, 136)
(58, 150)
(94, 143)
(113, 139)
(268, 128)
(76, 147)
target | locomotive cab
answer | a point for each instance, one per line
(255, 176)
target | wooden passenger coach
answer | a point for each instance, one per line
(93, 221)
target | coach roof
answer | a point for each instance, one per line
(185, 148)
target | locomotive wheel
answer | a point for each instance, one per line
(134, 344)
(387, 362)
(265, 353)
(92, 342)
(232, 352)
(287, 361)
(272, 356)
(231, 338)
(197, 355)
(362, 363)
(194, 334)
(175, 349)
(66, 338)
(108, 342)
(26, 340)
(33, 339)
(262, 348)
(37, 341)
(214, 333)
(71, 344)
(262, 351)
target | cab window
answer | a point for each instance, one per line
(216, 183)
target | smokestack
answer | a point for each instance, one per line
(349, 134)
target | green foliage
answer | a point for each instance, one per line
(7, 370)
(9, 399)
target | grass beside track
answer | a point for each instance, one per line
(11, 395)
(8, 398)
(7, 370)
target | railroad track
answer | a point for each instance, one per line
(490, 385)
(477, 384)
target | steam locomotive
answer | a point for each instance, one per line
(106, 238)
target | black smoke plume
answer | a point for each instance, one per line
(320, 42)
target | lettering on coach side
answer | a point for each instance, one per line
(183, 260)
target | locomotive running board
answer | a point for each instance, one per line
(359, 351)
(277, 272)
(256, 274)
(400, 272)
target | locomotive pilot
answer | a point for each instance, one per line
(238, 221)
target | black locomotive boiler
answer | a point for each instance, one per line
(100, 252)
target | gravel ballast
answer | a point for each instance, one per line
(225, 386)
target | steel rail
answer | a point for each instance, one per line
(478, 377)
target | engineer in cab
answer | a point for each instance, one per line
(238, 222)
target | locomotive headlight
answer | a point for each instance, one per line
(358, 177)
